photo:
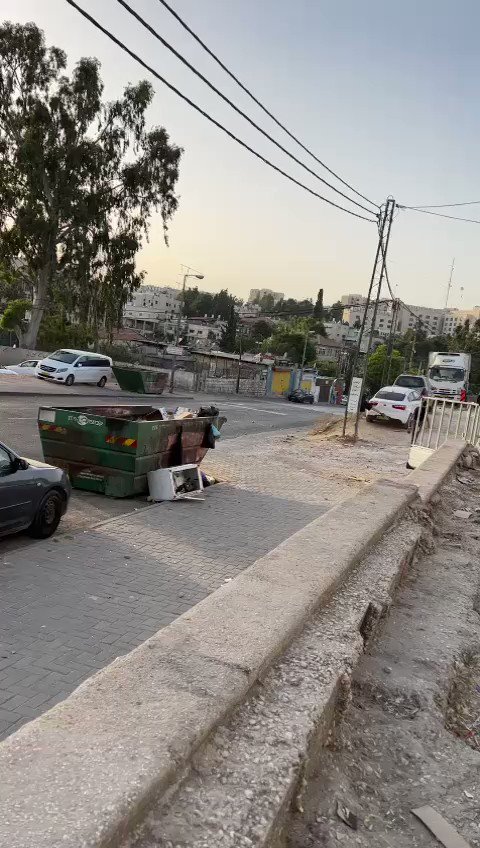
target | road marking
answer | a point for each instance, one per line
(254, 408)
(22, 418)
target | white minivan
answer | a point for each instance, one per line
(75, 366)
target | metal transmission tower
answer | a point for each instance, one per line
(364, 344)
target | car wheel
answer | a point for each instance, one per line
(48, 516)
(70, 380)
(102, 382)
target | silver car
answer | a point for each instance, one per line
(33, 496)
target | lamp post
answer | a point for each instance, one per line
(179, 324)
(182, 302)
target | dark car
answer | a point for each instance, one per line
(300, 396)
(33, 496)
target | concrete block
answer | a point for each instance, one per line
(431, 474)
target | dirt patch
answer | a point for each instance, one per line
(463, 699)
(408, 737)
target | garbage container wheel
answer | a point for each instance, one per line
(48, 516)
(70, 380)
(102, 382)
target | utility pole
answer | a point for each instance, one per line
(378, 270)
(237, 386)
(450, 282)
(391, 341)
(303, 357)
(413, 349)
(379, 273)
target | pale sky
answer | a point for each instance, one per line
(386, 93)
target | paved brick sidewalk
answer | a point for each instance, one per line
(69, 607)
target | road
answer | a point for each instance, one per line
(245, 416)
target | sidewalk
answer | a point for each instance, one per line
(72, 604)
(68, 608)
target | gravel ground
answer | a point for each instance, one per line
(405, 740)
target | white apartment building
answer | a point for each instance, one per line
(431, 320)
(456, 318)
(257, 294)
(355, 310)
(204, 332)
(152, 308)
(248, 310)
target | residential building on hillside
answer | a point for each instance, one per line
(456, 318)
(431, 320)
(204, 332)
(248, 310)
(258, 294)
(152, 310)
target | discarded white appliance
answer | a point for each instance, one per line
(178, 482)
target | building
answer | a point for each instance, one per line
(341, 333)
(248, 310)
(258, 294)
(431, 320)
(456, 318)
(204, 332)
(153, 310)
(408, 317)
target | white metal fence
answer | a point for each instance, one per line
(441, 419)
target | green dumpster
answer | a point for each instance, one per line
(111, 449)
(140, 380)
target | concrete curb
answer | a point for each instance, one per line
(84, 761)
(432, 474)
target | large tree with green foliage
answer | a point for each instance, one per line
(289, 339)
(79, 180)
(376, 362)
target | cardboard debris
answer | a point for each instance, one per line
(440, 827)
(346, 815)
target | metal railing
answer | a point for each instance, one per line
(441, 419)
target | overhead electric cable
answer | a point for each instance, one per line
(439, 214)
(201, 111)
(239, 111)
(259, 103)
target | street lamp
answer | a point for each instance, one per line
(182, 302)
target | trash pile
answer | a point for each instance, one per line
(161, 413)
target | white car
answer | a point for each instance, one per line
(28, 368)
(395, 403)
(75, 366)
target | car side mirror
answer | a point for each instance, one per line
(78, 365)
(19, 464)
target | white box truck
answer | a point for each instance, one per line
(448, 374)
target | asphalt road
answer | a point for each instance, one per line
(18, 429)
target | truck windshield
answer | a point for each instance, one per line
(449, 375)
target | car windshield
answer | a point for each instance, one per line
(390, 395)
(410, 381)
(64, 356)
(449, 375)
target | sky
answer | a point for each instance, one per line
(385, 93)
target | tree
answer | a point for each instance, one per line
(79, 180)
(290, 340)
(230, 332)
(336, 311)
(14, 318)
(327, 368)
(261, 330)
(376, 361)
(318, 308)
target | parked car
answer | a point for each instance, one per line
(300, 396)
(27, 368)
(396, 404)
(75, 366)
(413, 381)
(33, 495)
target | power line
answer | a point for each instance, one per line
(440, 205)
(201, 111)
(258, 102)
(239, 111)
(441, 215)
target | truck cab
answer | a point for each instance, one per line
(448, 374)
